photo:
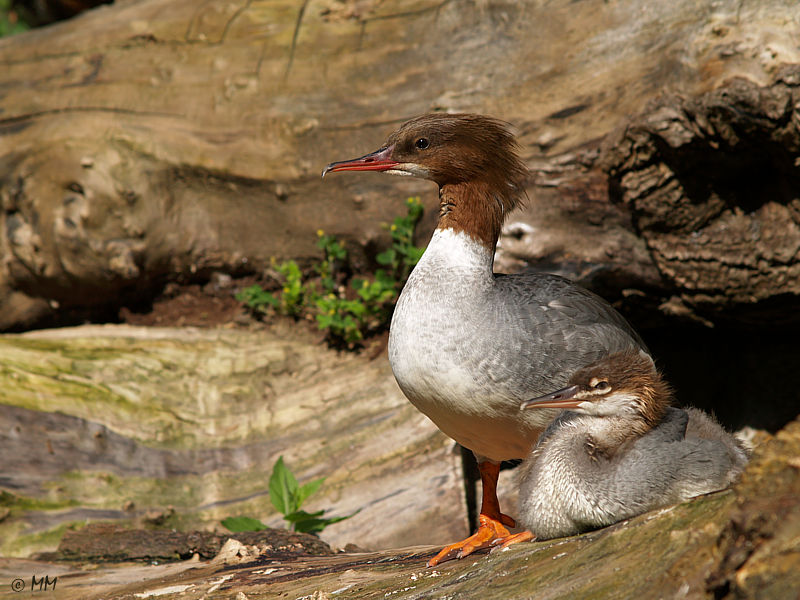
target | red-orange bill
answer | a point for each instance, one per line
(380, 160)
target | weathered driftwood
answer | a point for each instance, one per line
(713, 185)
(743, 543)
(111, 542)
(181, 427)
(150, 141)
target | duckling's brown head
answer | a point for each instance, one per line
(626, 384)
(473, 158)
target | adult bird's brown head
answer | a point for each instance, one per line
(474, 159)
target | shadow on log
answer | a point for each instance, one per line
(713, 186)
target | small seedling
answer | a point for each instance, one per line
(287, 496)
(347, 315)
(257, 298)
(401, 257)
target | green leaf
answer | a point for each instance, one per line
(300, 515)
(314, 522)
(332, 520)
(307, 489)
(308, 522)
(237, 524)
(414, 254)
(305, 522)
(283, 488)
(355, 308)
(384, 278)
(311, 526)
(257, 298)
(290, 270)
(386, 257)
(328, 284)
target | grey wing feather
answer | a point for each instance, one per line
(553, 299)
(572, 327)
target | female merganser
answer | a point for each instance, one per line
(618, 451)
(466, 345)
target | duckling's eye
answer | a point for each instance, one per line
(600, 385)
(422, 143)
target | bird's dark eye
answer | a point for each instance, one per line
(422, 143)
(601, 385)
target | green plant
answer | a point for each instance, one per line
(257, 298)
(10, 21)
(344, 319)
(348, 314)
(403, 254)
(334, 254)
(287, 496)
(290, 302)
(294, 293)
(237, 524)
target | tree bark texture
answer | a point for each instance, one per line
(151, 141)
(713, 186)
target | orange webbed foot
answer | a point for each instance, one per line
(490, 531)
(491, 522)
(503, 543)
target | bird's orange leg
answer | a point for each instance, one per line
(491, 520)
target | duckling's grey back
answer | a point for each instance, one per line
(703, 426)
(707, 459)
(566, 489)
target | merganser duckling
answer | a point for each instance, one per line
(618, 451)
(466, 345)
